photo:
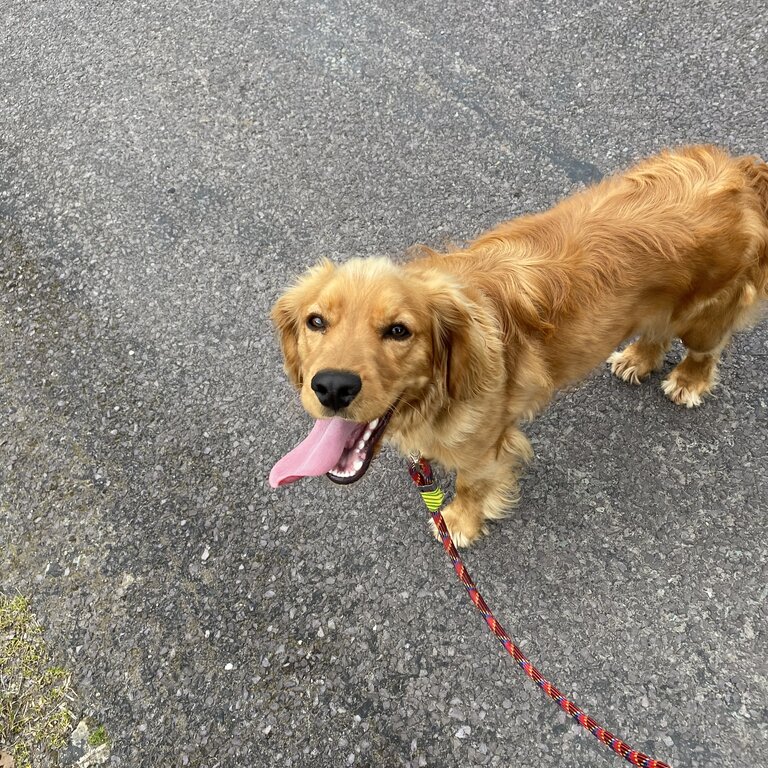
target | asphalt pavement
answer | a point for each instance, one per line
(166, 169)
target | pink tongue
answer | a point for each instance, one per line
(318, 453)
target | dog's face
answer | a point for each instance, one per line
(362, 338)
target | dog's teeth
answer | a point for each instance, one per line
(358, 465)
(366, 435)
(373, 424)
(361, 444)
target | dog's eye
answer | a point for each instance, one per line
(316, 323)
(397, 331)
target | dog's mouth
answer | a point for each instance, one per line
(338, 448)
(358, 451)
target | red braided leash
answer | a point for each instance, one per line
(421, 474)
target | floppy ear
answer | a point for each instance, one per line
(286, 320)
(288, 317)
(466, 342)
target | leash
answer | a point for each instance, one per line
(433, 497)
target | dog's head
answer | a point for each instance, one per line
(366, 339)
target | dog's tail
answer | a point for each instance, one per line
(755, 171)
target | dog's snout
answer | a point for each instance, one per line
(336, 389)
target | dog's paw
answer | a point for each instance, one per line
(629, 366)
(684, 393)
(692, 378)
(464, 531)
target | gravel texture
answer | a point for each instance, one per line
(166, 168)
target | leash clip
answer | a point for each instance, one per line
(421, 472)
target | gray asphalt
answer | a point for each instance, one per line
(166, 169)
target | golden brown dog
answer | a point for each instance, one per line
(447, 354)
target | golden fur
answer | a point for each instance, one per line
(675, 247)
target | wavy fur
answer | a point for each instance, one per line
(675, 247)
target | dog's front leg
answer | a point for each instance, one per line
(486, 487)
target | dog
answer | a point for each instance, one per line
(447, 354)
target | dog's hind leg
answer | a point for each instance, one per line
(693, 377)
(636, 361)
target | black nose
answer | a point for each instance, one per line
(336, 389)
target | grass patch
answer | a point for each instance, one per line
(98, 736)
(34, 693)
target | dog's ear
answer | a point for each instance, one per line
(286, 320)
(466, 343)
(288, 317)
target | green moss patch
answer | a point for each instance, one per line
(98, 736)
(34, 693)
